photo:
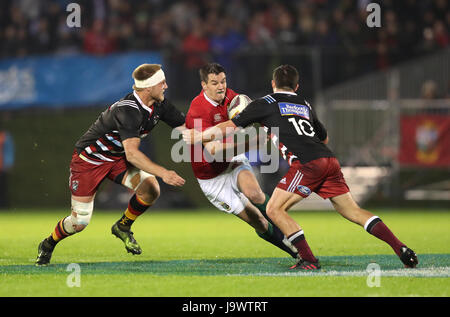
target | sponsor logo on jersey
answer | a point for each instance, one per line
(292, 109)
(304, 190)
(283, 181)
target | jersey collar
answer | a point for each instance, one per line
(140, 102)
(286, 92)
(215, 104)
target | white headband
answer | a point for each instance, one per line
(155, 79)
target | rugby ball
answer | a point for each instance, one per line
(237, 105)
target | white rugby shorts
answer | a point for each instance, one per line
(223, 192)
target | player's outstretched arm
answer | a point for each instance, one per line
(181, 128)
(232, 147)
(141, 161)
(225, 150)
(192, 136)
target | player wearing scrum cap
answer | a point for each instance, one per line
(110, 149)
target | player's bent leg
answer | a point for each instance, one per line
(147, 191)
(265, 230)
(280, 202)
(79, 218)
(277, 207)
(82, 208)
(254, 218)
(350, 210)
(248, 185)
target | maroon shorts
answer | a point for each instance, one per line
(85, 177)
(322, 176)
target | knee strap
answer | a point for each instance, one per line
(135, 177)
(83, 211)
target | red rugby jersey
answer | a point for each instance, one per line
(210, 113)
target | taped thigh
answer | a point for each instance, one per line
(135, 177)
(83, 211)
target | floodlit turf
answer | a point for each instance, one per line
(207, 253)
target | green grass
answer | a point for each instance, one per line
(208, 253)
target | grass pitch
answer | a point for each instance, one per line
(207, 253)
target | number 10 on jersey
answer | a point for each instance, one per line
(300, 127)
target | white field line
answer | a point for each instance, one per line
(417, 272)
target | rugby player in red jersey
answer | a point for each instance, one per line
(302, 141)
(229, 185)
(110, 149)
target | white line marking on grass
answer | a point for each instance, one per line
(417, 272)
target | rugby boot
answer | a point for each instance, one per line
(44, 253)
(306, 265)
(127, 237)
(408, 257)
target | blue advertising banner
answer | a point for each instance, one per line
(75, 80)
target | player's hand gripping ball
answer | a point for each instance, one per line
(237, 105)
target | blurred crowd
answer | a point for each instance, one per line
(203, 28)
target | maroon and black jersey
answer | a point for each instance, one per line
(126, 118)
(300, 133)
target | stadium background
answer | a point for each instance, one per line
(382, 92)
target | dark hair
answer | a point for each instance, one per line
(286, 76)
(211, 68)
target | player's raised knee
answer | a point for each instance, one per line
(149, 190)
(74, 224)
(81, 215)
(255, 195)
